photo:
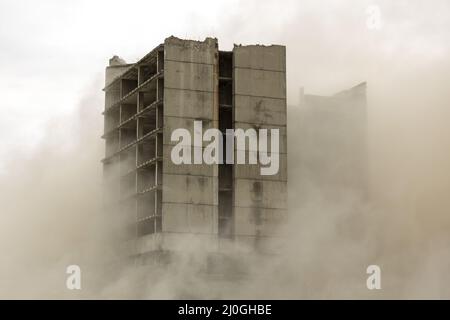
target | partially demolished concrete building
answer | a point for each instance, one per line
(166, 206)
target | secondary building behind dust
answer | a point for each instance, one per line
(168, 207)
(332, 148)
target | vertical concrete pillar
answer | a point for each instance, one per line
(260, 201)
(189, 198)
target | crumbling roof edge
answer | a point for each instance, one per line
(132, 65)
(257, 45)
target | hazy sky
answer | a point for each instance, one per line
(53, 52)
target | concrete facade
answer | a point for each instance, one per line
(164, 205)
(190, 198)
(260, 202)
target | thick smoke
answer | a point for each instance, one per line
(50, 202)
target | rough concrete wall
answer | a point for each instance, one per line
(189, 199)
(260, 103)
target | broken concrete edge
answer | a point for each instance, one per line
(129, 66)
(257, 45)
(118, 62)
(209, 41)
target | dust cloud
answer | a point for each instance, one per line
(50, 201)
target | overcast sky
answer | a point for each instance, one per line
(52, 53)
